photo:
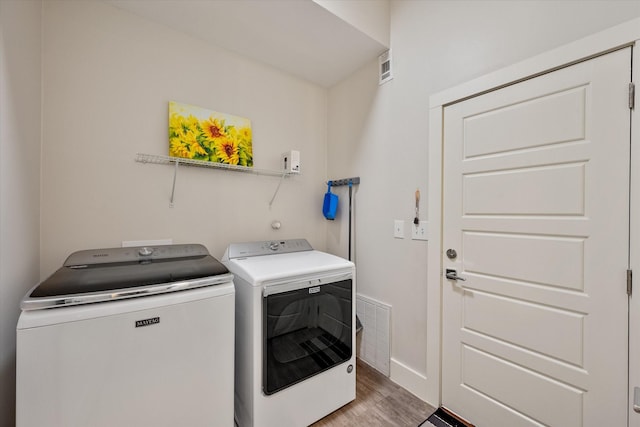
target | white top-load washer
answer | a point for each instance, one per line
(295, 318)
(138, 336)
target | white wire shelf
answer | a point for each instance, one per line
(166, 160)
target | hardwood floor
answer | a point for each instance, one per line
(379, 402)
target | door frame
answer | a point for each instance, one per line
(626, 34)
(634, 243)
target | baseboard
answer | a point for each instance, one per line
(410, 379)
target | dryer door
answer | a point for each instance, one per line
(305, 331)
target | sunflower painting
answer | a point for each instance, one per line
(200, 134)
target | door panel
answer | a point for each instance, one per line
(537, 392)
(536, 120)
(548, 190)
(536, 204)
(552, 261)
(522, 328)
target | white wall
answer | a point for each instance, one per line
(108, 78)
(369, 16)
(20, 93)
(380, 133)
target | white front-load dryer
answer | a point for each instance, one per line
(295, 317)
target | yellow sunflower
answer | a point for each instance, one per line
(180, 125)
(243, 136)
(177, 148)
(192, 124)
(227, 150)
(245, 133)
(186, 146)
(195, 149)
(213, 128)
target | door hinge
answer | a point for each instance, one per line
(629, 282)
(632, 96)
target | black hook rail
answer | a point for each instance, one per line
(344, 181)
(350, 182)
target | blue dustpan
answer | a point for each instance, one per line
(330, 205)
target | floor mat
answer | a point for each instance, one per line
(444, 418)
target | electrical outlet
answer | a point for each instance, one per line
(398, 229)
(419, 232)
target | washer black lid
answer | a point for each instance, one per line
(125, 268)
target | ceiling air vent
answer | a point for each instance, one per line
(384, 62)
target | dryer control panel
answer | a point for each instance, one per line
(269, 247)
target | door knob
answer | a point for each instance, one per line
(452, 274)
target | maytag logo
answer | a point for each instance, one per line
(147, 322)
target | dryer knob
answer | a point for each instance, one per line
(145, 251)
(274, 246)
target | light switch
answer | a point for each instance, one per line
(398, 229)
(419, 232)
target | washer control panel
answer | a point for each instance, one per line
(134, 253)
(269, 247)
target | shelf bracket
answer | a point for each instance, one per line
(277, 189)
(173, 187)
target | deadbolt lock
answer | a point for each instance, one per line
(451, 253)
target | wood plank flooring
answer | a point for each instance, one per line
(379, 402)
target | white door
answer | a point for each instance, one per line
(536, 207)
